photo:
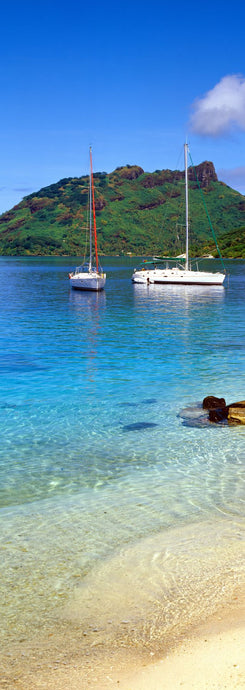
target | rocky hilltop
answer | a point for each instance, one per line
(205, 172)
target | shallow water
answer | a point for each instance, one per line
(115, 504)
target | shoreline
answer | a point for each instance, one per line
(158, 605)
(212, 657)
(206, 656)
(144, 611)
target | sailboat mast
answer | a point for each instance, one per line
(186, 210)
(90, 215)
(94, 217)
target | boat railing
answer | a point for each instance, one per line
(85, 268)
(172, 263)
(161, 264)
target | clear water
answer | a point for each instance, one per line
(102, 473)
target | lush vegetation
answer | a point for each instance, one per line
(137, 212)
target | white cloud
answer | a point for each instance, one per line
(221, 109)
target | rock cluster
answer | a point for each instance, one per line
(130, 172)
(218, 410)
(205, 173)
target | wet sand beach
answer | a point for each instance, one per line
(167, 612)
(210, 656)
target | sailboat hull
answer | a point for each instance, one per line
(88, 281)
(176, 276)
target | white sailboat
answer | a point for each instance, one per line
(179, 270)
(90, 275)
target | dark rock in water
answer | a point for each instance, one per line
(216, 407)
(211, 402)
(146, 401)
(149, 401)
(199, 417)
(139, 426)
(218, 411)
(128, 404)
(217, 414)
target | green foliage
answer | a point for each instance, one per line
(138, 212)
(231, 245)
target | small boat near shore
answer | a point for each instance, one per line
(178, 270)
(90, 275)
(171, 270)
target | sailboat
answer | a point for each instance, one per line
(179, 270)
(89, 276)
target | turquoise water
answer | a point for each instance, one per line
(99, 457)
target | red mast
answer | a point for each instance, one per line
(94, 217)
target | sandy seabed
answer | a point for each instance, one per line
(165, 613)
(211, 656)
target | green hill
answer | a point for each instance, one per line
(138, 212)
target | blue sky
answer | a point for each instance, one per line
(132, 79)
